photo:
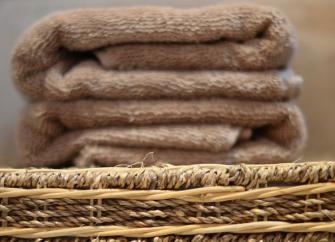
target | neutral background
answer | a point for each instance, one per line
(314, 60)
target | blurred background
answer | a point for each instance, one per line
(314, 22)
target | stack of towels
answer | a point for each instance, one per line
(120, 86)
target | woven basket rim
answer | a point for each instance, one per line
(170, 177)
(167, 166)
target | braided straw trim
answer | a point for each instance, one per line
(203, 195)
(101, 231)
(170, 177)
(269, 237)
(45, 193)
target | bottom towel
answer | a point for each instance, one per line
(178, 132)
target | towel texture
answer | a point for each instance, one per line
(55, 132)
(236, 37)
(89, 80)
(119, 86)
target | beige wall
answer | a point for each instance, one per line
(315, 60)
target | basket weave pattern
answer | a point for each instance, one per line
(284, 202)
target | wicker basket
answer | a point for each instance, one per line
(284, 202)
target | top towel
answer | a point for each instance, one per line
(233, 37)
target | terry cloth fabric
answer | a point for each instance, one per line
(208, 87)
(89, 80)
(231, 37)
(218, 130)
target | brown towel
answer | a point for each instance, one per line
(235, 37)
(210, 87)
(89, 80)
(55, 132)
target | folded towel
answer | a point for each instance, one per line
(235, 37)
(53, 133)
(89, 80)
(119, 86)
